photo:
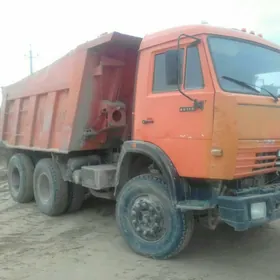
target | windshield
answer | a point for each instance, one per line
(247, 62)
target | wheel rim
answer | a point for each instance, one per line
(147, 218)
(44, 188)
(15, 179)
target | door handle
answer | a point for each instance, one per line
(148, 121)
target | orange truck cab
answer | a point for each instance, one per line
(181, 124)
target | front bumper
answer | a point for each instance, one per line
(235, 210)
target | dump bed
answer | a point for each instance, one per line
(83, 101)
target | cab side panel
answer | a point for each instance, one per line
(184, 136)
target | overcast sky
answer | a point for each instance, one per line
(55, 27)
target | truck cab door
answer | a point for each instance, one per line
(162, 114)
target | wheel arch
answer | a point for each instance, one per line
(148, 151)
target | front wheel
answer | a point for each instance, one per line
(149, 222)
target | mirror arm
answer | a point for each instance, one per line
(197, 104)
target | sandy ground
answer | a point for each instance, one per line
(87, 245)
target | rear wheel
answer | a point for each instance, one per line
(149, 222)
(50, 190)
(76, 197)
(20, 178)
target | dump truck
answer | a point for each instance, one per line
(179, 127)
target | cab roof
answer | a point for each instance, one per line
(172, 34)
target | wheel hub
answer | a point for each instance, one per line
(147, 218)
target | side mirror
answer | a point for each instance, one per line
(171, 67)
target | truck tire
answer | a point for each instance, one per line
(20, 178)
(76, 197)
(149, 222)
(50, 190)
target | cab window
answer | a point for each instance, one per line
(193, 73)
(160, 83)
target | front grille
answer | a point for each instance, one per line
(250, 162)
(265, 160)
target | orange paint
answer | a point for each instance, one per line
(240, 131)
(78, 95)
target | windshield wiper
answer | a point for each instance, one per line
(251, 87)
(270, 93)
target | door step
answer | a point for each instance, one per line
(194, 205)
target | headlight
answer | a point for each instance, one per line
(258, 210)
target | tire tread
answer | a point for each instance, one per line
(187, 218)
(60, 202)
(26, 177)
(76, 198)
